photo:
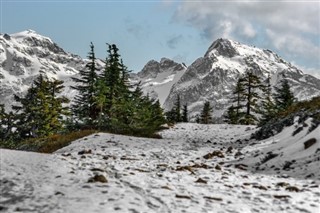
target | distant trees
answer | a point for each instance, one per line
(254, 101)
(175, 115)
(185, 113)
(206, 114)
(283, 96)
(6, 123)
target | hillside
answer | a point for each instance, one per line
(24, 55)
(194, 168)
(211, 77)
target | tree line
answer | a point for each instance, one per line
(105, 101)
(253, 102)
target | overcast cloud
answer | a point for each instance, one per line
(289, 28)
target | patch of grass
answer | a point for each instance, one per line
(52, 143)
(310, 105)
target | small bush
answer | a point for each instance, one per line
(52, 143)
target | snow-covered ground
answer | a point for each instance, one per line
(192, 169)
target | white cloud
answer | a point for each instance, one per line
(289, 27)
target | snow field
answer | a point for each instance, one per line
(152, 175)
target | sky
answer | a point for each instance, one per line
(180, 30)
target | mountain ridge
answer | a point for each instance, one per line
(211, 77)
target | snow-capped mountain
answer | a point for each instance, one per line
(213, 76)
(24, 55)
(157, 78)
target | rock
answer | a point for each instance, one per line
(96, 170)
(217, 167)
(216, 153)
(166, 187)
(212, 198)
(183, 196)
(241, 166)
(82, 152)
(229, 150)
(58, 193)
(309, 143)
(98, 178)
(292, 189)
(260, 187)
(200, 180)
(238, 154)
(282, 196)
(282, 184)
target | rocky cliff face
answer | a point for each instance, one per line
(213, 76)
(157, 78)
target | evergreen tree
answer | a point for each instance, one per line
(251, 84)
(85, 107)
(268, 108)
(239, 97)
(7, 121)
(185, 113)
(40, 111)
(174, 115)
(283, 96)
(112, 79)
(125, 110)
(232, 116)
(234, 113)
(177, 109)
(206, 113)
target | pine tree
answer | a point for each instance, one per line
(112, 79)
(239, 96)
(174, 115)
(268, 108)
(185, 113)
(7, 121)
(206, 113)
(232, 116)
(177, 109)
(40, 111)
(283, 96)
(251, 84)
(85, 107)
(234, 113)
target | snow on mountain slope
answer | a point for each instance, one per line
(157, 78)
(213, 77)
(26, 54)
(293, 154)
(192, 169)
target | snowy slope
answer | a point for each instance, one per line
(25, 54)
(191, 170)
(287, 154)
(213, 76)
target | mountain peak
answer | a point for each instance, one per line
(222, 46)
(30, 34)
